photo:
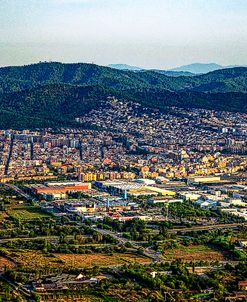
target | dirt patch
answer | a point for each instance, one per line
(99, 259)
(194, 252)
(4, 262)
(36, 259)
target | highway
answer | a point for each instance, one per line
(19, 191)
(208, 227)
(148, 252)
(26, 296)
(53, 239)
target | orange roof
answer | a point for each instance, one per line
(242, 283)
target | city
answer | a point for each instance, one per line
(123, 151)
(129, 190)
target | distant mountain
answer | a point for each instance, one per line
(185, 70)
(53, 94)
(139, 69)
(125, 67)
(198, 68)
(171, 73)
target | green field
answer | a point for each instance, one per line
(27, 213)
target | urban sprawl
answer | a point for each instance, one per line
(134, 182)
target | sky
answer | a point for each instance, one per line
(146, 33)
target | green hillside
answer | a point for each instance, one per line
(53, 94)
(24, 77)
(57, 105)
(47, 106)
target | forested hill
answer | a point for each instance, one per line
(47, 106)
(54, 94)
(57, 105)
(23, 77)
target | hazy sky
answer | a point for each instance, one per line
(146, 33)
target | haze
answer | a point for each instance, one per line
(151, 34)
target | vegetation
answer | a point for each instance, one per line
(27, 213)
(8, 294)
(30, 95)
(191, 265)
(24, 77)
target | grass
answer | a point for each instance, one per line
(27, 213)
(194, 252)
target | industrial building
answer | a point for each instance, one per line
(132, 188)
(79, 207)
(57, 190)
(203, 179)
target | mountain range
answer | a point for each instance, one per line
(199, 68)
(125, 67)
(186, 70)
(54, 94)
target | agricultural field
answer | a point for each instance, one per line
(34, 259)
(37, 259)
(12, 205)
(194, 252)
(26, 213)
(84, 298)
(88, 260)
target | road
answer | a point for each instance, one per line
(81, 150)
(148, 252)
(18, 288)
(54, 239)
(9, 156)
(209, 227)
(31, 150)
(19, 191)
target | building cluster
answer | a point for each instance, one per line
(140, 198)
(57, 190)
(127, 141)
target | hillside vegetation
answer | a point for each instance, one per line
(53, 94)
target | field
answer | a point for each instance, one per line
(4, 262)
(194, 252)
(83, 298)
(36, 259)
(27, 213)
(3, 216)
(99, 259)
